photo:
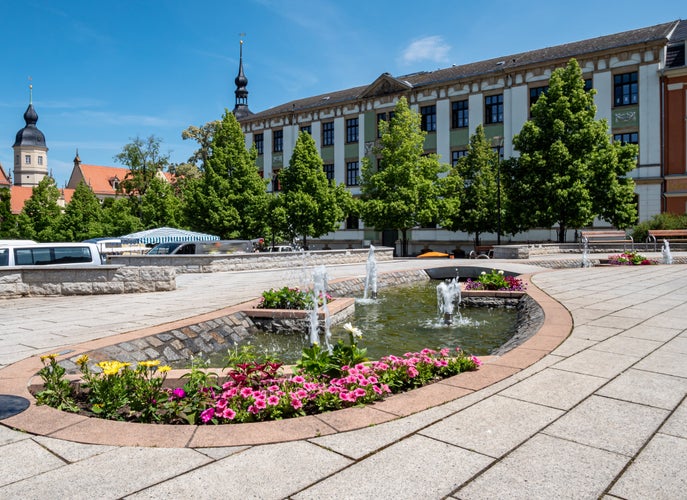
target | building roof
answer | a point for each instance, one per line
(659, 33)
(4, 178)
(19, 195)
(102, 179)
(30, 135)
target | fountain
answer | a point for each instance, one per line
(448, 297)
(585, 254)
(665, 251)
(371, 275)
(319, 292)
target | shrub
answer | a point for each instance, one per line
(288, 298)
(659, 221)
(495, 280)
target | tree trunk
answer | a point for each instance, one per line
(561, 233)
(305, 242)
(476, 240)
(404, 243)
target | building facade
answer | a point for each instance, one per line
(635, 74)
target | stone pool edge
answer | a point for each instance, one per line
(46, 421)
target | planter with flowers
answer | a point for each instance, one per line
(630, 259)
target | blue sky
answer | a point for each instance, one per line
(105, 73)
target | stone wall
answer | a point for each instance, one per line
(86, 280)
(251, 261)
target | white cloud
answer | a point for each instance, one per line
(429, 48)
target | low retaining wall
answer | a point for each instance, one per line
(252, 261)
(87, 280)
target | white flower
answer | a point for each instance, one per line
(483, 273)
(356, 332)
(500, 272)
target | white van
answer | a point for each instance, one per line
(50, 254)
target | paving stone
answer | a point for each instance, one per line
(597, 363)
(677, 423)
(70, 451)
(573, 345)
(658, 472)
(556, 388)
(28, 459)
(665, 361)
(109, 475)
(609, 424)
(265, 472)
(651, 332)
(648, 388)
(487, 427)
(547, 467)
(629, 346)
(594, 332)
(417, 467)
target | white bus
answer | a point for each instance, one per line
(50, 254)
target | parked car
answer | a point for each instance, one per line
(282, 248)
(202, 247)
(50, 254)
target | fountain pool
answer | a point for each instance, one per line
(402, 319)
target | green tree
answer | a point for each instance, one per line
(230, 199)
(8, 221)
(82, 216)
(474, 182)
(159, 206)
(405, 190)
(313, 205)
(144, 160)
(568, 170)
(119, 217)
(41, 212)
(203, 135)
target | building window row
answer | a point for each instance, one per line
(625, 89)
(493, 109)
(352, 173)
(429, 118)
(328, 134)
(259, 141)
(626, 138)
(460, 116)
(277, 141)
(352, 130)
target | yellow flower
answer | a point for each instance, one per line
(149, 364)
(82, 360)
(112, 367)
(164, 369)
(49, 356)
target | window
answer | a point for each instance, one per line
(627, 138)
(259, 141)
(493, 108)
(352, 172)
(27, 159)
(328, 134)
(40, 160)
(535, 92)
(588, 84)
(352, 130)
(278, 141)
(352, 222)
(456, 155)
(307, 129)
(459, 114)
(429, 118)
(329, 171)
(625, 89)
(383, 117)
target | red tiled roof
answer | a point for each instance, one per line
(99, 178)
(4, 179)
(19, 195)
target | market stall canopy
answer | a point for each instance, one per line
(164, 235)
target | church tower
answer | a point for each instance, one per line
(30, 151)
(241, 107)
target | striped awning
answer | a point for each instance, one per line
(164, 235)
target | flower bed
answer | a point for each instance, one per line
(252, 388)
(495, 280)
(630, 259)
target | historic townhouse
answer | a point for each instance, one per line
(640, 80)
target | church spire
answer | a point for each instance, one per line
(241, 106)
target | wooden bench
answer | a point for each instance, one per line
(671, 235)
(605, 237)
(482, 252)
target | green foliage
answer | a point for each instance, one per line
(288, 298)
(118, 217)
(473, 182)
(8, 221)
(404, 191)
(313, 206)
(40, 217)
(230, 199)
(495, 280)
(318, 362)
(568, 171)
(82, 216)
(57, 392)
(144, 160)
(659, 221)
(159, 206)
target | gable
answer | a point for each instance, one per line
(386, 84)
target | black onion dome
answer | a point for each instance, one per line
(30, 135)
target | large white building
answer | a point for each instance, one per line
(626, 69)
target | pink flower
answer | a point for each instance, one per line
(360, 392)
(476, 360)
(178, 393)
(207, 415)
(296, 404)
(273, 400)
(246, 392)
(228, 413)
(298, 379)
(260, 404)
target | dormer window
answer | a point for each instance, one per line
(114, 182)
